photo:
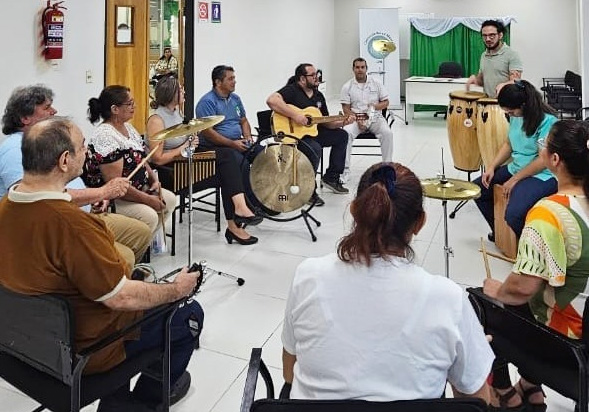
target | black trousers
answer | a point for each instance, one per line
(231, 167)
(337, 139)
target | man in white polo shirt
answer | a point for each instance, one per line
(366, 97)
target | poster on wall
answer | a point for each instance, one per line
(203, 11)
(215, 12)
(379, 40)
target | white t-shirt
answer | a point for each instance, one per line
(384, 333)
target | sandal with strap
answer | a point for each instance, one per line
(532, 407)
(504, 399)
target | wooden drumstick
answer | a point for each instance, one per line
(162, 219)
(145, 159)
(500, 257)
(485, 259)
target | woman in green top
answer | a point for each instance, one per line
(525, 178)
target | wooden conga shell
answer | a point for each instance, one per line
(462, 135)
(505, 239)
(492, 128)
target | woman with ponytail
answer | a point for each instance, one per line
(525, 179)
(368, 323)
(551, 271)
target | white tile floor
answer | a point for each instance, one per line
(239, 318)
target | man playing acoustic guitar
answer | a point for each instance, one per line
(301, 92)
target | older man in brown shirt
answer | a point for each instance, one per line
(50, 246)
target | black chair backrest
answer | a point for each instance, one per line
(38, 330)
(573, 80)
(264, 123)
(541, 352)
(450, 69)
(431, 405)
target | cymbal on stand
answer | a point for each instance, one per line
(450, 189)
(192, 127)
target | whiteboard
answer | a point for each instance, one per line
(405, 32)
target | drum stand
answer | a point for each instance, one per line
(462, 203)
(204, 269)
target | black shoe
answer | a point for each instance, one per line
(336, 186)
(250, 220)
(316, 200)
(491, 237)
(230, 236)
(180, 388)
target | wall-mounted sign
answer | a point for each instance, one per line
(215, 12)
(203, 11)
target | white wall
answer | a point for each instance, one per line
(264, 40)
(545, 34)
(83, 50)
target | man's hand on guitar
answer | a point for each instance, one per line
(301, 119)
(240, 145)
(350, 119)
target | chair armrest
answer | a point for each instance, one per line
(168, 309)
(256, 366)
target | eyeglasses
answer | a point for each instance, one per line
(490, 36)
(311, 75)
(130, 103)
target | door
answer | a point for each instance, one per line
(127, 51)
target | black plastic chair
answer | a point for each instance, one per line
(450, 70)
(38, 357)
(549, 357)
(269, 404)
(563, 94)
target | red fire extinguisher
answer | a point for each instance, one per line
(52, 20)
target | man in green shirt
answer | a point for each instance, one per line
(500, 64)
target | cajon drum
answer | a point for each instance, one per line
(505, 239)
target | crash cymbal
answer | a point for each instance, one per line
(450, 189)
(192, 127)
(384, 46)
(273, 179)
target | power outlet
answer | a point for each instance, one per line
(89, 76)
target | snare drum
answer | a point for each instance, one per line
(462, 135)
(492, 127)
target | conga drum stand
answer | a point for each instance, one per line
(446, 189)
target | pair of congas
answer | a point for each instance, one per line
(477, 128)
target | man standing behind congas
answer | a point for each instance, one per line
(500, 64)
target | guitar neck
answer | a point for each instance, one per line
(326, 119)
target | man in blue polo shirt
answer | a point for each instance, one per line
(230, 139)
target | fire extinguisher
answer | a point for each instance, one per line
(52, 20)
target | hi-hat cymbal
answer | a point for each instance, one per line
(273, 180)
(192, 127)
(450, 189)
(384, 46)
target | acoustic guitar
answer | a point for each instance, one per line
(282, 125)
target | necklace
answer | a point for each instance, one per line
(573, 195)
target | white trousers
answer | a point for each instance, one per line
(380, 128)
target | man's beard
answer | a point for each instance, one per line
(311, 85)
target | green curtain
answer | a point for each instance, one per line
(461, 45)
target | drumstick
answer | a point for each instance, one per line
(145, 159)
(485, 259)
(162, 217)
(500, 257)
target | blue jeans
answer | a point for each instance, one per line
(183, 341)
(522, 197)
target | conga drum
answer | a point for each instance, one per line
(492, 127)
(462, 135)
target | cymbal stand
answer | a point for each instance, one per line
(448, 251)
(462, 203)
(206, 272)
(202, 264)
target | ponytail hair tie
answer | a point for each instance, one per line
(386, 175)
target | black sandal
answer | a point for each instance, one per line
(532, 407)
(503, 399)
